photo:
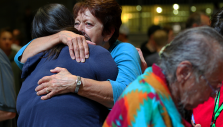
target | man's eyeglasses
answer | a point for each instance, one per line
(214, 90)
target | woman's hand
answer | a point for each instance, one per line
(78, 45)
(60, 83)
(195, 125)
(143, 62)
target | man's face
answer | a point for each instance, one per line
(6, 41)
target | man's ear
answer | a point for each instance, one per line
(183, 71)
(108, 35)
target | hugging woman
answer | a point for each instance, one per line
(69, 109)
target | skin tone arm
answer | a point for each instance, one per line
(77, 44)
(6, 115)
(143, 62)
(65, 82)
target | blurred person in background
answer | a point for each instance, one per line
(197, 19)
(182, 80)
(123, 33)
(160, 38)
(6, 41)
(7, 93)
(170, 33)
(17, 40)
(149, 47)
(210, 112)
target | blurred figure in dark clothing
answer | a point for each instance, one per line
(161, 39)
(7, 93)
(6, 40)
(17, 40)
(148, 47)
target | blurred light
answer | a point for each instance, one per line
(159, 9)
(175, 12)
(176, 6)
(176, 28)
(208, 11)
(126, 17)
(193, 8)
(157, 20)
(138, 8)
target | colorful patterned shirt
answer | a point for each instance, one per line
(146, 102)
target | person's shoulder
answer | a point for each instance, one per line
(3, 58)
(125, 48)
(97, 49)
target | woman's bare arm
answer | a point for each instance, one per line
(65, 82)
(6, 115)
(78, 46)
(38, 45)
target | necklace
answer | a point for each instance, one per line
(217, 110)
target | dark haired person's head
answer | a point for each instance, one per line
(104, 14)
(51, 19)
(197, 19)
(152, 29)
(217, 21)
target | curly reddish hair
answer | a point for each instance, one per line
(106, 11)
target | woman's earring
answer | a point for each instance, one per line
(105, 39)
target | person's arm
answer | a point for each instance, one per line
(64, 82)
(128, 61)
(4, 115)
(143, 62)
(38, 45)
(44, 43)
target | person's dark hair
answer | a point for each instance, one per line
(51, 19)
(6, 29)
(106, 11)
(217, 21)
(152, 29)
(199, 46)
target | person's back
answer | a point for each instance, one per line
(7, 93)
(69, 109)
